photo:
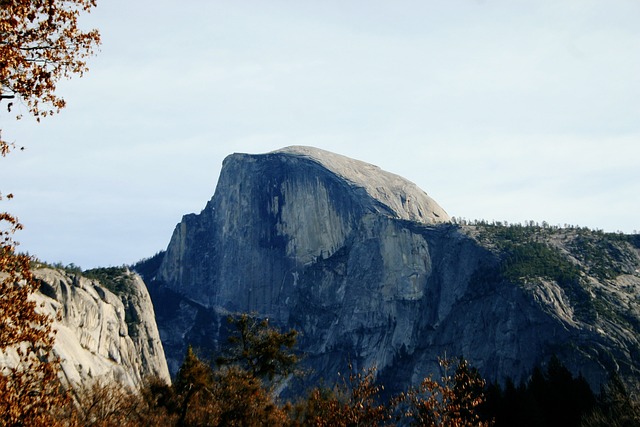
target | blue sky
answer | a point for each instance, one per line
(506, 110)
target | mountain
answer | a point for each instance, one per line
(106, 326)
(371, 271)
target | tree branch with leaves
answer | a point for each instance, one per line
(40, 43)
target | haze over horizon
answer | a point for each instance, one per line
(499, 110)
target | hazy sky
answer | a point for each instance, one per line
(507, 110)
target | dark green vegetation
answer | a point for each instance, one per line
(259, 349)
(534, 250)
(148, 267)
(116, 279)
(554, 397)
(551, 397)
(605, 254)
(567, 256)
(526, 256)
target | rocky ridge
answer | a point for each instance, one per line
(370, 271)
(100, 333)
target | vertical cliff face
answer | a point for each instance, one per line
(274, 214)
(102, 334)
(369, 270)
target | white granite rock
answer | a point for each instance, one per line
(100, 334)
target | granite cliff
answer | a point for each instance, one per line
(369, 269)
(102, 332)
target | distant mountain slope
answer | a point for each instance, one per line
(369, 270)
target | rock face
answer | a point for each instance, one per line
(369, 270)
(275, 213)
(100, 333)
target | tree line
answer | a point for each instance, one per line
(240, 387)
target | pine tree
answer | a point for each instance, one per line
(259, 348)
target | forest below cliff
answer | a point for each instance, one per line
(241, 387)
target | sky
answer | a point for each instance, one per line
(506, 110)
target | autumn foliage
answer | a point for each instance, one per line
(354, 401)
(29, 386)
(30, 391)
(40, 43)
(239, 391)
(451, 401)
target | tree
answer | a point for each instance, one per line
(239, 391)
(29, 387)
(236, 393)
(194, 390)
(260, 349)
(615, 407)
(550, 397)
(354, 402)
(229, 396)
(105, 403)
(40, 43)
(244, 401)
(158, 403)
(453, 401)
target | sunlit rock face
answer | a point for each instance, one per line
(368, 268)
(101, 334)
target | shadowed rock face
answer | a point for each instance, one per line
(368, 269)
(101, 334)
